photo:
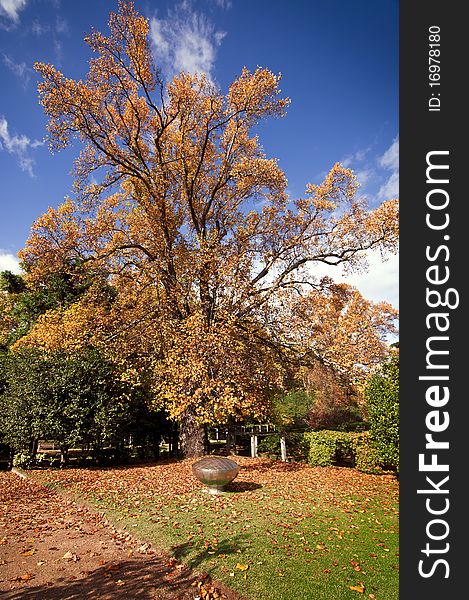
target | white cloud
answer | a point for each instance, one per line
(19, 69)
(58, 51)
(9, 262)
(11, 9)
(358, 156)
(380, 283)
(185, 41)
(18, 146)
(225, 4)
(390, 161)
(378, 176)
(364, 176)
(390, 189)
(61, 25)
(39, 29)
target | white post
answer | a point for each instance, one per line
(253, 446)
(283, 449)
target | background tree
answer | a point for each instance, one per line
(23, 399)
(343, 330)
(187, 205)
(382, 402)
(336, 400)
(21, 304)
(69, 397)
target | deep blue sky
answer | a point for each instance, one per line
(339, 61)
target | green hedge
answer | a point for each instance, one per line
(382, 403)
(297, 446)
(327, 448)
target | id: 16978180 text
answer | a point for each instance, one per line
(434, 68)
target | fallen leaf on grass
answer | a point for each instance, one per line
(70, 556)
(242, 567)
(357, 588)
(25, 577)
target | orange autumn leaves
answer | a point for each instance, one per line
(179, 209)
(342, 329)
(218, 372)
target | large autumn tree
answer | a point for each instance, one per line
(177, 204)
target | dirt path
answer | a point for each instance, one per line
(51, 548)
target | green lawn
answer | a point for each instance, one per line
(283, 532)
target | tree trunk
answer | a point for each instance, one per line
(156, 446)
(63, 457)
(230, 436)
(193, 437)
(33, 445)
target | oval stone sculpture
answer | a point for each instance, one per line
(215, 472)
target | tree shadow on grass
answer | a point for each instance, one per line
(183, 552)
(237, 487)
(144, 580)
(153, 579)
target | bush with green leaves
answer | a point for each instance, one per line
(25, 304)
(367, 457)
(290, 411)
(24, 460)
(68, 397)
(382, 402)
(330, 447)
(296, 445)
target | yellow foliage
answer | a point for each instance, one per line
(193, 227)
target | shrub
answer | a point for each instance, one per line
(327, 448)
(270, 445)
(382, 400)
(366, 455)
(23, 460)
(355, 426)
(296, 443)
(291, 410)
(68, 397)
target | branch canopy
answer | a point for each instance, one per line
(178, 207)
